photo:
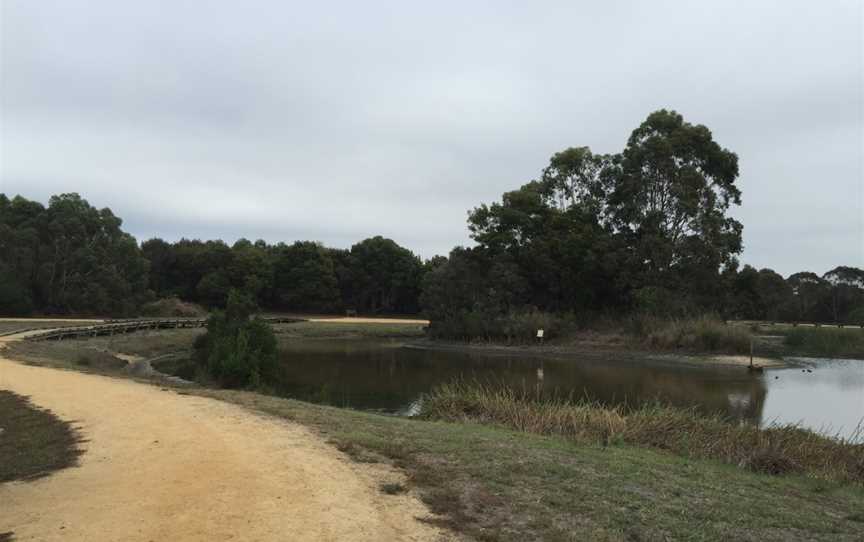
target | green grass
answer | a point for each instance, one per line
(322, 330)
(493, 483)
(66, 354)
(773, 450)
(33, 442)
(823, 341)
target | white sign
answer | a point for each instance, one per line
(539, 333)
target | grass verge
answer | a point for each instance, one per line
(331, 330)
(33, 441)
(773, 450)
(494, 483)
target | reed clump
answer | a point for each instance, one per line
(779, 449)
(705, 333)
(825, 341)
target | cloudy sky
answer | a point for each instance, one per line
(337, 121)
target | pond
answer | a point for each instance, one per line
(387, 376)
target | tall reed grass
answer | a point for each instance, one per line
(774, 450)
(825, 341)
(702, 333)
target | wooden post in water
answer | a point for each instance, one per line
(751, 352)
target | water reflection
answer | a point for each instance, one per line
(830, 399)
(384, 376)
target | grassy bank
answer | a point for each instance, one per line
(694, 335)
(493, 482)
(704, 334)
(33, 442)
(348, 330)
(774, 450)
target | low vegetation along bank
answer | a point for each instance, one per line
(491, 482)
(706, 334)
(773, 450)
(822, 342)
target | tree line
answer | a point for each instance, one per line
(646, 230)
(643, 230)
(71, 258)
(374, 276)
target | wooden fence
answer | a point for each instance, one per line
(770, 323)
(118, 327)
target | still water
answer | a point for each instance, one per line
(388, 377)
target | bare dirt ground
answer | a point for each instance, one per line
(162, 466)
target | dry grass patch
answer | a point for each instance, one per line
(700, 334)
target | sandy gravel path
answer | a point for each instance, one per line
(163, 466)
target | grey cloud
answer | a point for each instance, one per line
(334, 121)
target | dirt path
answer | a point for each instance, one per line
(163, 466)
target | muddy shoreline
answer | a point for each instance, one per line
(601, 353)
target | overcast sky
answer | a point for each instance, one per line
(338, 121)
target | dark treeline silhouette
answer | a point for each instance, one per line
(375, 276)
(71, 258)
(645, 230)
(67, 258)
(642, 231)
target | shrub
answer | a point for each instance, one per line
(237, 351)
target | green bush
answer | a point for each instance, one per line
(237, 351)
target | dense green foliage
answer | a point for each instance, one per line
(374, 276)
(70, 258)
(642, 231)
(67, 257)
(237, 350)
